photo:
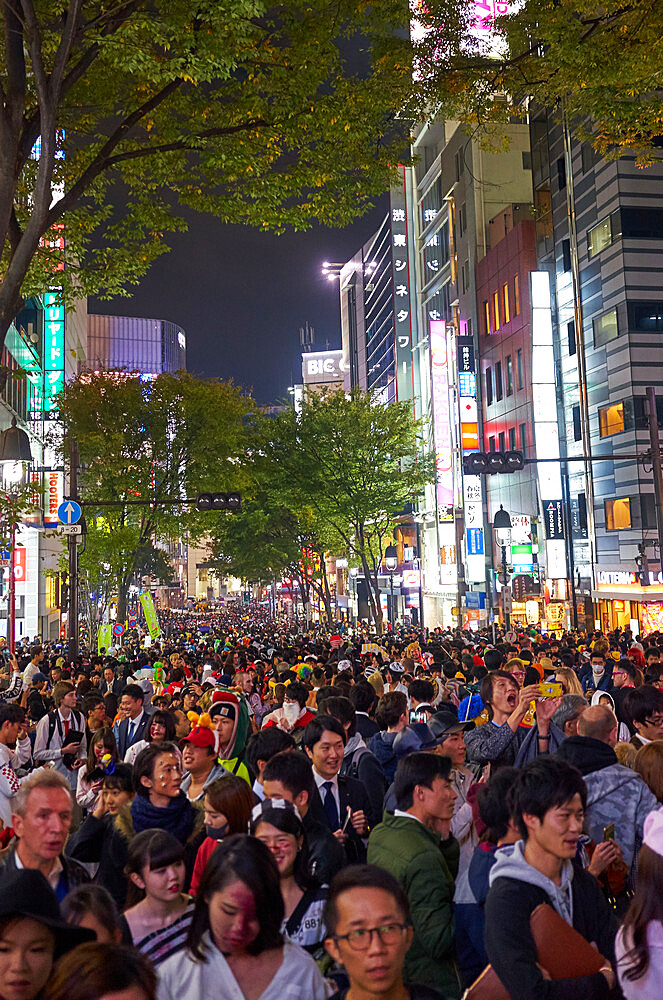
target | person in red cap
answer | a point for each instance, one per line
(200, 758)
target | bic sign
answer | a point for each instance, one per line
(318, 366)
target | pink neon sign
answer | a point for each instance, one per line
(441, 422)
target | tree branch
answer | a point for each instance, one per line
(64, 48)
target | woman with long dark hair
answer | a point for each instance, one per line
(235, 946)
(161, 729)
(91, 777)
(639, 943)
(278, 825)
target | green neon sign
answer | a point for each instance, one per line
(54, 315)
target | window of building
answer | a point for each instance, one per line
(468, 327)
(642, 223)
(498, 381)
(501, 441)
(566, 255)
(496, 312)
(462, 219)
(527, 160)
(519, 367)
(486, 315)
(465, 272)
(523, 438)
(646, 317)
(611, 419)
(589, 157)
(505, 302)
(516, 295)
(491, 444)
(509, 375)
(605, 328)
(561, 173)
(648, 510)
(577, 432)
(617, 514)
(571, 336)
(458, 162)
(489, 386)
(601, 236)
(512, 438)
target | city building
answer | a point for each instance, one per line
(599, 227)
(148, 346)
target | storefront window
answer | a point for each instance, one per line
(617, 514)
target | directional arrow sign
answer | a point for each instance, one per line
(69, 512)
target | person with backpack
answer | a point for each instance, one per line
(60, 735)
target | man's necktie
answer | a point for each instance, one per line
(66, 726)
(132, 726)
(330, 807)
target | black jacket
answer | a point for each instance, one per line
(366, 726)
(326, 855)
(365, 767)
(123, 742)
(102, 841)
(587, 754)
(511, 949)
(72, 874)
(351, 793)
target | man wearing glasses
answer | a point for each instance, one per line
(369, 933)
(415, 846)
(644, 705)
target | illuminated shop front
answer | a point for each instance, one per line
(620, 601)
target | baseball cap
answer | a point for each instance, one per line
(413, 738)
(442, 725)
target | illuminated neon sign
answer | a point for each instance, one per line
(54, 316)
(441, 422)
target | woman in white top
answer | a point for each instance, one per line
(91, 775)
(639, 942)
(235, 949)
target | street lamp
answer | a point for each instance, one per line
(14, 451)
(391, 562)
(502, 528)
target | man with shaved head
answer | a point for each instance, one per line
(615, 794)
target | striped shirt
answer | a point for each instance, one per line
(161, 944)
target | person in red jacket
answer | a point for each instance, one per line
(293, 715)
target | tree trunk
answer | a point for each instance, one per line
(373, 593)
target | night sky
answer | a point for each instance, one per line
(241, 295)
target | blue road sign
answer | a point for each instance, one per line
(69, 512)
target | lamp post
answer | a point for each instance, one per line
(14, 451)
(391, 562)
(502, 528)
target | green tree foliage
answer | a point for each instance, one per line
(599, 63)
(246, 109)
(345, 468)
(141, 445)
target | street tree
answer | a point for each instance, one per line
(356, 464)
(116, 116)
(145, 447)
(598, 64)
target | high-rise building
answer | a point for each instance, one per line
(148, 346)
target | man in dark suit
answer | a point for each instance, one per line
(136, 720)
(110, 684)
(339, 803)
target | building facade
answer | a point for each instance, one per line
(148, 346)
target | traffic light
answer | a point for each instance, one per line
(480, 463)
(642, 563)
(219, 501)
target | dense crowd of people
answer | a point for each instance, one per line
(257, 810)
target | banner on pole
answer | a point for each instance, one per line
(150, 613)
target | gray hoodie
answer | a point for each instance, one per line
(512, 864)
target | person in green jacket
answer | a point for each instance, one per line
(409, 845)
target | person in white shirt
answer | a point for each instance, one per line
(51, 739)
(15, 751)
(33, 667)
(235, 942)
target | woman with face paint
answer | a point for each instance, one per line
(227, 804)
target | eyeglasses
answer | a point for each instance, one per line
(360, 939)
(656, 720)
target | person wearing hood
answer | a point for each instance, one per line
(599, 676)
(199, 758)
(230, 716)
(547, 800)
(615, 794)
(391, 715)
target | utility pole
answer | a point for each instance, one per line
(657, 469)
(72, 542)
